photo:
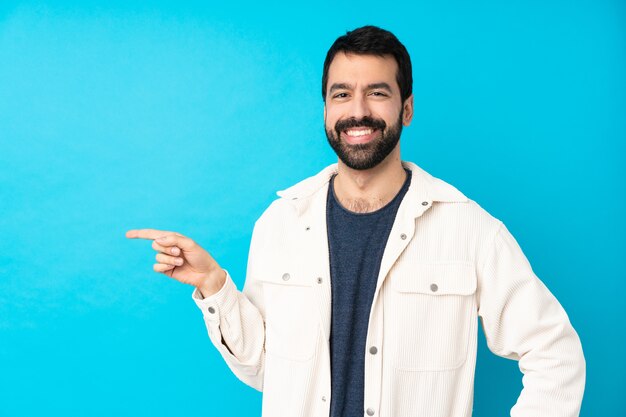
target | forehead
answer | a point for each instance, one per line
(362, 69)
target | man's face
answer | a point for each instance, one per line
(364, 113)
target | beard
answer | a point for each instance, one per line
(362, 156)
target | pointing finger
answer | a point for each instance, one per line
(145, 233)
(148, 233)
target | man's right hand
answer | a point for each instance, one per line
(183, 259)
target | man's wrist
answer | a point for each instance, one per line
(213, 282)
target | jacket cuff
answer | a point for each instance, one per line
(218, 304)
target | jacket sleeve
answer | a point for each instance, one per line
(523, 321)
(235, 324)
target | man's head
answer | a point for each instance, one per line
(367, 91)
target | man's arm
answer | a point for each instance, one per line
(234, 322)
(237, 330)
(522, 320)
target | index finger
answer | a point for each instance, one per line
(145, 233)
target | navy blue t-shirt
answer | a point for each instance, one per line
(356, 242)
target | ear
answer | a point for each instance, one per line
(324, 111)
(407, 107)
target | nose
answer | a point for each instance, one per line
(360, 107)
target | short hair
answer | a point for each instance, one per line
(372, 40)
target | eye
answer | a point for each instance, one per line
(378, 94)
(340, 95)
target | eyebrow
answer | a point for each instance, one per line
(382, 86)
(340, 86)
(373, 86)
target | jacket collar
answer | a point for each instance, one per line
(424, 187)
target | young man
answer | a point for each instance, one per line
(365, 282)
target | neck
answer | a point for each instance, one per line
(364, 191)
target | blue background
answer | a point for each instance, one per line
(189, 117)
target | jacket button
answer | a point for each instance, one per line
(434, 287)
(370, 412)
(373, 350)
(286, 276)
(403, 236)
(211, 310)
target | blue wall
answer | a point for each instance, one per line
(119, 115)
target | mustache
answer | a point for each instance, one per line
(365, 121)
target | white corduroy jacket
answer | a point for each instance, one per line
(446, 264)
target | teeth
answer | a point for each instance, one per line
(360, 132)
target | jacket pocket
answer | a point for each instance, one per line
(291, 316)
(430, 315)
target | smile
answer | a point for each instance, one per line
(359, 135)
(358, 132)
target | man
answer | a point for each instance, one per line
(365, 282)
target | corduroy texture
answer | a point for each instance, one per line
(447, 262)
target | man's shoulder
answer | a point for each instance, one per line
(279, 208)
(450, 203)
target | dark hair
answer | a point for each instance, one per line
(372, 40)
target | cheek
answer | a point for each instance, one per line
(389, 114)
(329, 125)
(330, 120)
